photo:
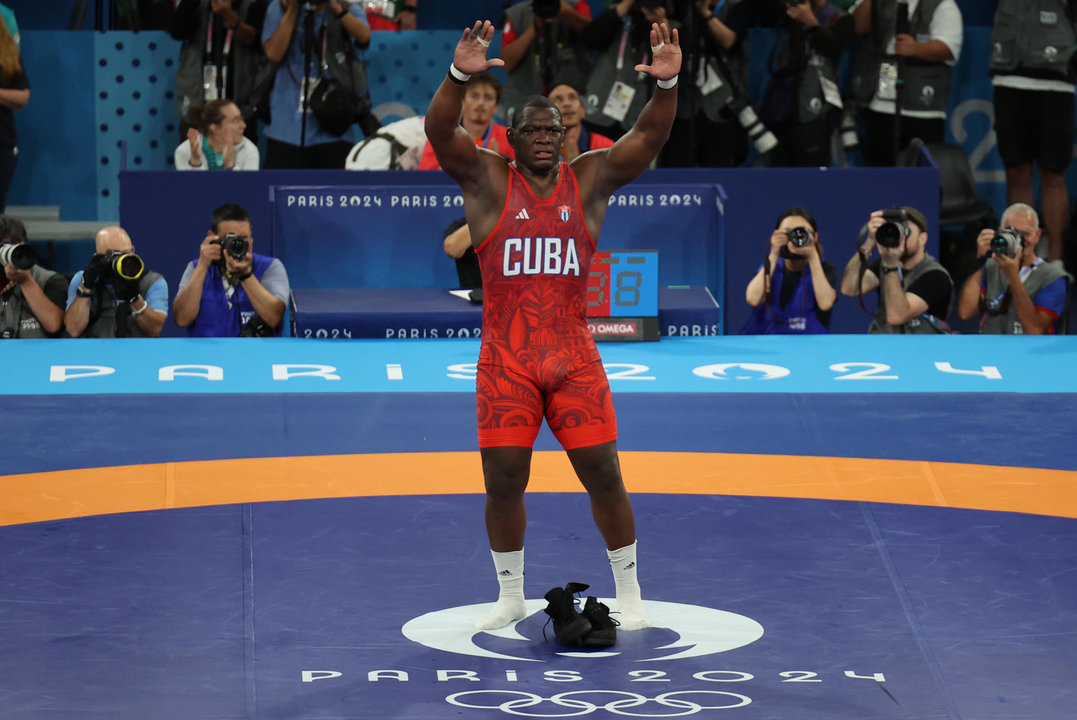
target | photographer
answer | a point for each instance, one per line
(116, 296)
(1017, 292)
(616, 92)
(914, 289)
(219, 56)
(802, 103)
(902, 72)
(541, 41)
(229, 290)
(785, 299)
(318, 41)
(31, 298)
(706, 131)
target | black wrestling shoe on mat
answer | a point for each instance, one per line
(568, 625)
(603, 627)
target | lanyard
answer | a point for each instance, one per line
(624, 43)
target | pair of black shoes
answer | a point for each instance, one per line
(592, 628)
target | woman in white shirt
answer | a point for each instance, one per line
(215, 140)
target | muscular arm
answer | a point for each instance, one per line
(637, 148)
(455, 150)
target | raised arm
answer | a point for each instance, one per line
(634, 152)
(455, 150)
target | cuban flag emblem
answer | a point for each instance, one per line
(565, 211)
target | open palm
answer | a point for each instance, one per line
(470, 54)
(665, 53)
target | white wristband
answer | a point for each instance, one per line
(460, 76)
(145, 306)
(667, 84)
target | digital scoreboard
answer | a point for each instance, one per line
(622, 295)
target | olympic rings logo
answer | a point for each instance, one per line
(577, 706)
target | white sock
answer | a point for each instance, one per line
(630, 612)
(510, 605)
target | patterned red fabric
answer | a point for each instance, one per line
(538, 357)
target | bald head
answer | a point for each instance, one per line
(113, 237)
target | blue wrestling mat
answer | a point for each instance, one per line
(829, 528)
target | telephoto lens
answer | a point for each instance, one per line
(546, 9)
(125, 265)
(20, 256)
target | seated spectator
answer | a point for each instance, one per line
(1014, 290)
(32, 299)
(578, 139)
(215, 140)
(391, 14)
(914, 289)
(396, 146)
(320, 41)
(229, 290)
(116, 295)
(457, 245)
(220, 54)
(482, 94)
(785, 299)
(14, 95)
(540, 42)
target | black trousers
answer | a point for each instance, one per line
(879, 135)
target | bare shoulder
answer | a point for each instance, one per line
(588, 169)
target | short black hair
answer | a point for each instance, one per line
(797, 211)
(12, 230)
(539, 101)
(229, 212)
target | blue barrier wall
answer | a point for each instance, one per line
(167, 214)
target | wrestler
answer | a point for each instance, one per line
(534, 224)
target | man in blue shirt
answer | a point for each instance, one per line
(335, 31)
(229, 290)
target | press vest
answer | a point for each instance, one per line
(1033, 38)
(566, 54)
(924, 86)
(16, 317)
(216, 318)
(925, 324)
(811, 102)
(606, 73)
(732, 71)
(995, 284)
(796, 318)
(103, 310)
(190, 91)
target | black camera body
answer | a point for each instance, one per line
(18, 255)
(235, 245)
(799, 237)
(1008, 242)
(894, 230)
(124, 265)
(546, 9)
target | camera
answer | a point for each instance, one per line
(1007, 241)
(235, 245)
(799, 236)
(546, 9)
(257, 327)
(124, 265)
(20, 256)
(894, 230)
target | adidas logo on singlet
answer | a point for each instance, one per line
(522, 215)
